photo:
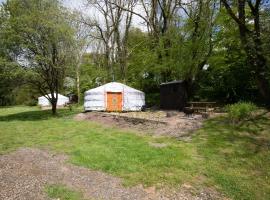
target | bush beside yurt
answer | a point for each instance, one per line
(114, 97)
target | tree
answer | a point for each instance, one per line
(198, 43)
(111, 29)
(181, 34)
(11, 74)
(11, 77)
(228, 78)
(248, 19)
(44, 42)
(159, 15)
(82, 42)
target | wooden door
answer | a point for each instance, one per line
(114, 101)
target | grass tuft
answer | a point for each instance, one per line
(62, 193)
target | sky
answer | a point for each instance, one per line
(73, 3)
(79, 5)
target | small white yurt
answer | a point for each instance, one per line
(43, 101)
(114, 97)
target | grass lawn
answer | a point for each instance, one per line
(62, 192)
(234, 160)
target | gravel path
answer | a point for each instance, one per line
(25, 172)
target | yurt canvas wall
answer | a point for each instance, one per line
(62, 100)
(114, 97)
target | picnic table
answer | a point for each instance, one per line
(201, 106)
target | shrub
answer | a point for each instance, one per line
(152, 99)
(31, 102)
(240, 111)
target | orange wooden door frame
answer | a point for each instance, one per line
(114, 101)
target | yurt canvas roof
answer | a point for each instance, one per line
(112, 87)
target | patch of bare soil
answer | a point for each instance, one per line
(159, 123)
(25, 173)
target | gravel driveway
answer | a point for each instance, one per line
(25, 173)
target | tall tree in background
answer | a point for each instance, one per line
(10, 73)
(43, 41)
(158, 15)
(112, 29)
(79, 49)
(198, 40)
(247, 15)
(182, 36)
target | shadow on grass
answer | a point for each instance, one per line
(36, 115)
(251, 136)
(237, 156)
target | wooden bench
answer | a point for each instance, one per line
(202, 106)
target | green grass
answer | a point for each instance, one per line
(234, 160)
(63, 193)
(119, 153)
(237, 159)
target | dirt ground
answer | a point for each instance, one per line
(159, 123)
(25, 173)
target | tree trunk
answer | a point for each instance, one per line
(78, 83)
(252, 44)
(189, 83)
(54, 103)
(261, 79)
(54, 107)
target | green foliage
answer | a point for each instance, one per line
(40, 38)
(240, 111)
(144, 71)
(26, 95)
(152, 99)
(11, 78)
(91, 74)
(63, 193)
(265, 18)
(229, 78)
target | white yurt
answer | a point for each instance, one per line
(114, 97)
(62, 100)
